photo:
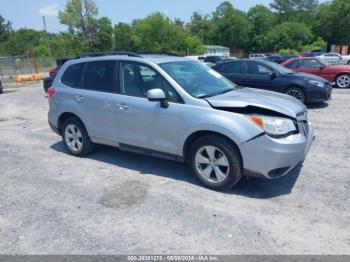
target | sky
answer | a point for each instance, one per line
(28, 13)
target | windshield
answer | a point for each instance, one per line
(279, 68)
(198, 79)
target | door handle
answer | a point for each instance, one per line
(79, 98)
(122, 106)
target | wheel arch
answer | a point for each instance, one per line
(198, 134)
(63, 117)
(341, 73)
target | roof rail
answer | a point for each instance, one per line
(162, 53)
(97, 54)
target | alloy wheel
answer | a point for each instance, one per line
(343, 81)
(296, 93)
(212, 164)
(73, 138)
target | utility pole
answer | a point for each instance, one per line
(47, 37)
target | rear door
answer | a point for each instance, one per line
(233, 71)
(93, 98)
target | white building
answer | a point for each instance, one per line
(217, 50)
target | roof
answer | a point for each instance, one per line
(155, 58)
(217, 47)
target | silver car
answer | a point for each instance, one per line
(179, 109)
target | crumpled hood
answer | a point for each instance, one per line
(245, 97)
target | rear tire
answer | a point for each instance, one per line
(343, 81)
(297, 93)
(76, 138)
(216, 162)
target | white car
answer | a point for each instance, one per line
(331, 58)
(335, 58)
(257, 56)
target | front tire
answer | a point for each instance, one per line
(76, 138)
(343, 81)
(216, 162)
(297, 93)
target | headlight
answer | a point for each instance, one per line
(274, 126)
(316, 83)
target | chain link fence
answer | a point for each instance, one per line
(11, 66)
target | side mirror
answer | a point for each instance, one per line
(321, 67)
(273, 75)
(157, 95)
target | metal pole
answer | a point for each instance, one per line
(47, 38)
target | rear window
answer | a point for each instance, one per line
(231, 68)
(100, 76)
(71, 77)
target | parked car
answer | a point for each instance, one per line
(330, 58)
(215, 59)
(178, 109)
(280, 59)
(257, 56)
(267, 75)
(47, 81)
(338, 74)
(311, 54)
(1, 87)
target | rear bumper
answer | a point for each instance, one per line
(54, 128)
(273, 158)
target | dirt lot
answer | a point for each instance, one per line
(121, 203)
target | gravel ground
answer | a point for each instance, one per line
(121, 203)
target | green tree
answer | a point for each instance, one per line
(104, 35)
(231, 27)
(23, 41)
(333, 22)
(5, 29)
(124, 37)
(157, 33)
(79, 16)
(289, 35)
(262, 20)
(295, 10)
(200, 26)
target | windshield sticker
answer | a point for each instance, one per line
(214, 73)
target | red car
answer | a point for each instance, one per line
(338, 74)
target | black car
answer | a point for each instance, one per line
(216, 59)
(270, 76)
(47, 81)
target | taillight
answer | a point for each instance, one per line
(53, 72)
(51, 92)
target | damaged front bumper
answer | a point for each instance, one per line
(271, 158)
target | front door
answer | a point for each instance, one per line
(142, 123)
(260, 76)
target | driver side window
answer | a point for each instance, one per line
(258, 69)
(136, 79)
(309, 63)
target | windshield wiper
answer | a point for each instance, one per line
(215, 94)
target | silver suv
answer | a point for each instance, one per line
(176, 108)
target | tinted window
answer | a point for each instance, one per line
(136, 79)
(71, 77)
(258, 69)
(231, 68)
(100, 76)
(309, 63)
